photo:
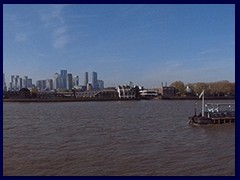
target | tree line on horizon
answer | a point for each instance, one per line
(219, 88)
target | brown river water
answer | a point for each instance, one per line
(116, 138)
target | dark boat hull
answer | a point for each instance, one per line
(195, 120)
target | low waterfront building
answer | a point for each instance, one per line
(167, 91)
(109, 93)
(86, 94)
(126, 92)
(148, 93)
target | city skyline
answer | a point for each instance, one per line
(145, 44)
(59, 81)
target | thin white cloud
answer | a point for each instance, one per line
(54, 20)
(21, 37)
(207, 52)
(60, 42)
(60, 37)
(53, 16)
(60, 31)
(43, 54)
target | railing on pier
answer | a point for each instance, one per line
(218, 110)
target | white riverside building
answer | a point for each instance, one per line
(126, 92)
(148, 93)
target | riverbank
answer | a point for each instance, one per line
(66, 99)
(105, 99)
(196, 98)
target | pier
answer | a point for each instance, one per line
(214, 113)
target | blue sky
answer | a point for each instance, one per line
(145, 44)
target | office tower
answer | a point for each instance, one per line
(16, 83)
(69, 81)
(100, 84)
(25, 80)
(85, 79)
(76, 81)
(24, 83)
(56, 81)
(29, 83)
(41, 84)
(10, 86)
(38, 84)
(94, 80)
(49, 84)
(63, 78)
(12, 78)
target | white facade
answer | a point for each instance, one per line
(126, 92)
(148, 93)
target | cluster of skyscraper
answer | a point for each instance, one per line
(95, 84)
(62, 81)
(17, 83)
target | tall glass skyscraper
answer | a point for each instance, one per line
(25, 81)
(69, 81)
(85, 79)
(94, 80)
(63, 77)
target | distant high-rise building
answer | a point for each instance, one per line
(29, 83)
(69, 81)
(94, 80)
(49, 84)
(76, 81)
(56, 81)
(25, 81)
(86, 78)
(41, 84)
(63, 78)
(12, 79)
(100, 84)
(10, 88)
(16, 80)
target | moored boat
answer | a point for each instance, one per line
(214, 113)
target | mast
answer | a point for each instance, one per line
(203, 104)
(202, 95)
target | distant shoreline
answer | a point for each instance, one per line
(108, 99)
(206, 98)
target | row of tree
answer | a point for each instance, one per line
(219, 88)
